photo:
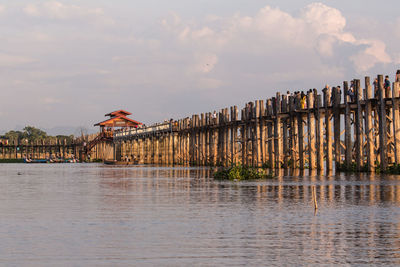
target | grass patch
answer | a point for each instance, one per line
(393, 169)
(241, 173)
(351, 168)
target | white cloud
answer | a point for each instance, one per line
(205, 62)
(61, 11)
(183, 65)
(318, 28)
(374, 53)
(324, 19)
(9, 60)
(2, 9)
(31, 10)
(51, 100)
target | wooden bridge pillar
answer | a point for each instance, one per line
(270, 127)
(319, 132)
(396, 121)
(285, 148)
(278, 132)
(382, 125)
(359, 128)
(369, 126)
(336, 113)
(347, 126)
(257, 143)
(227, 159)
(328, 128)
(311, 131)
(293, 132)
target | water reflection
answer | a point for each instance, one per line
(140, 215)
(360, 189)
(358, 214)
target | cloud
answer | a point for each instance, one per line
(51, 100)
(374, 53)
(2, 9)
(31, 10)
(180, 66)
(319, 31)
(60, 11)
(324, 19)
(206, 62)
(9, 60)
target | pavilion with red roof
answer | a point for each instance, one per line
(118, 119)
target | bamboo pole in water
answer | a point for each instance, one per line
(314, 196)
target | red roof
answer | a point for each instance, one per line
(118, 112)
(118, 119)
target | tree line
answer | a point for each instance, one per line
(31, 134)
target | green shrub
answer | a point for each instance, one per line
(239, 173)
(11, 161)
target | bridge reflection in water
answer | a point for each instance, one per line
(358, 220)
(98, 215)
(290, 185)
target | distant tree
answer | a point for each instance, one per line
(13, 135)
(32, 134)
(29, 134)
(68, 138)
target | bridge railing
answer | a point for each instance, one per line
(155, 128)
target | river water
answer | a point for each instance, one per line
(94, 215)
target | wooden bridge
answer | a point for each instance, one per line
(282, 132)
(41, 149)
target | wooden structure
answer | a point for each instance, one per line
(117, 122)
(280, 133)
(41, 149)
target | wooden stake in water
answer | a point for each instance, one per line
(314, 195)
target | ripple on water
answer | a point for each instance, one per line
(81, 214)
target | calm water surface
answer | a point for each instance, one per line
(93, 215)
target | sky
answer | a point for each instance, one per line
(67, 63)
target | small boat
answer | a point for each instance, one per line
(50, 161)
(36, 161)
(119, 163)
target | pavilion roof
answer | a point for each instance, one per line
(119, 121)
(118, 112)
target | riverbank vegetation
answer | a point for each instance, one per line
(11, 161)
(240, 173)
(30, 135)
(352, 168)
